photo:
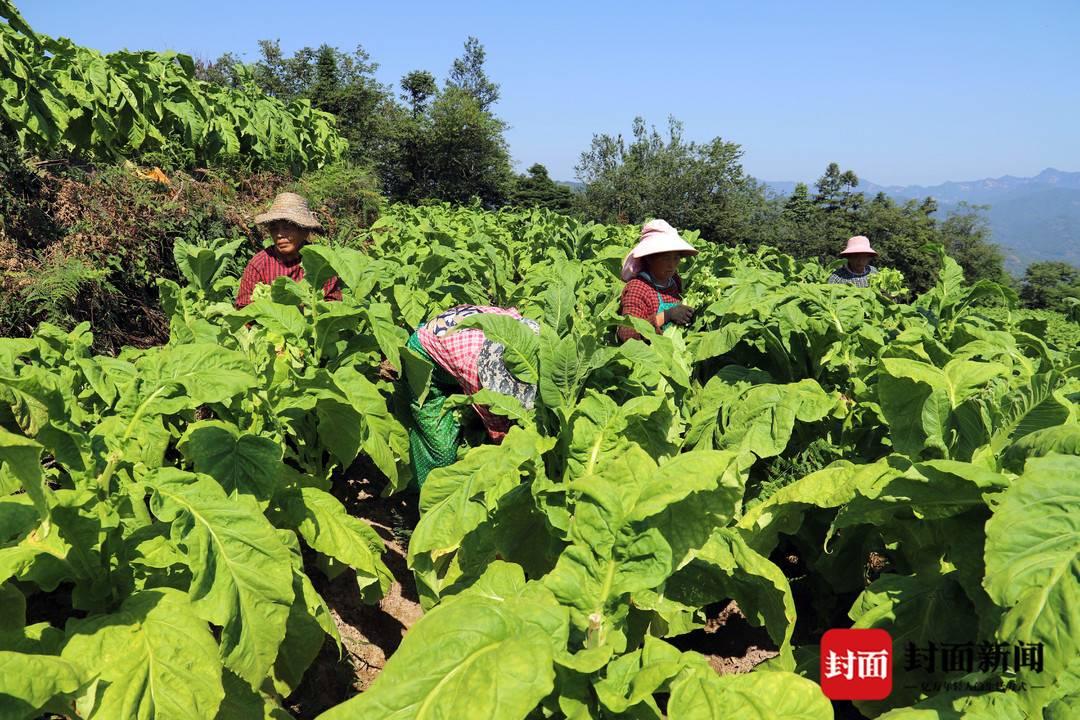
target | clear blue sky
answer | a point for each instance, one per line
(901, 92)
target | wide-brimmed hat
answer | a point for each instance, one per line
(292, 207)
(657, 236)
(493, 374)
(858, 245)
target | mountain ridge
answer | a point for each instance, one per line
(1033, 218)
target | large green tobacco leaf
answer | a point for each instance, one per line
(830, 487)
(1033, 407)
(243, 463)
(633, 678)
(385, 440)
(912, 390)
(700, 694)
(521, 344)
(622, 538)
(44, 408)
(456, 499)
(1063, 439)
(203, 266)
(241, 576)
(922, 608)
(21, 457)
(459, 504)
(689, 496)
(186, 376)
(28, 683)
(726, 567)
(931, 490)
(565, 363)
(600, 427)
(485, 653)
(412, 304)
(284, 320)
(328, 528)
(388, 336)
(665, 356)
(718, 342)
(352, 415)
(156, 657)
(1033, 560)
(763, 419)
(68, 551)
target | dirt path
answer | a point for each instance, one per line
(369, 633)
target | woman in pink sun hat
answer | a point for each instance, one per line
(653, 288)
(858, 270)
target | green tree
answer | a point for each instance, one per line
(966, 237)
(419, 87)
(448, 145)
(226, 71)
(1048, 285)
(799, 207)
(835, 190)
(340, 83)
(817, 226)
(691, 185)
(453, 151)
(467, 73)
(537, 189)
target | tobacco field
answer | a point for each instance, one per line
(59, 97)
(172, 506)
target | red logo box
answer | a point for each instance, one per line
(856, 664)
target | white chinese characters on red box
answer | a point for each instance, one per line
(856, 664)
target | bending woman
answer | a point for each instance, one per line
(653, 288)
(464, 362)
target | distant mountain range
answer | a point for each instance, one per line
(1032, 219)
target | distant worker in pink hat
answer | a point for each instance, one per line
(858, 270)
(653, 288)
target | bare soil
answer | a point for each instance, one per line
(730, 643)
(369, 633)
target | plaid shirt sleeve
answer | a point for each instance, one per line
(639, 300)
(332, 289)
(254, 273)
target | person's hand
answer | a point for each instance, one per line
(680, 314)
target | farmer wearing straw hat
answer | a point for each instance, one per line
(858, 270)
(653, 288)
(290, 224)
(459, 361)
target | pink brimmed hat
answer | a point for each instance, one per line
(657, 236)
(860, 244)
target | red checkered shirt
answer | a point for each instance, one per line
(268, 265)
(457, 353)
(639, 299)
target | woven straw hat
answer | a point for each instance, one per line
(292, 207)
